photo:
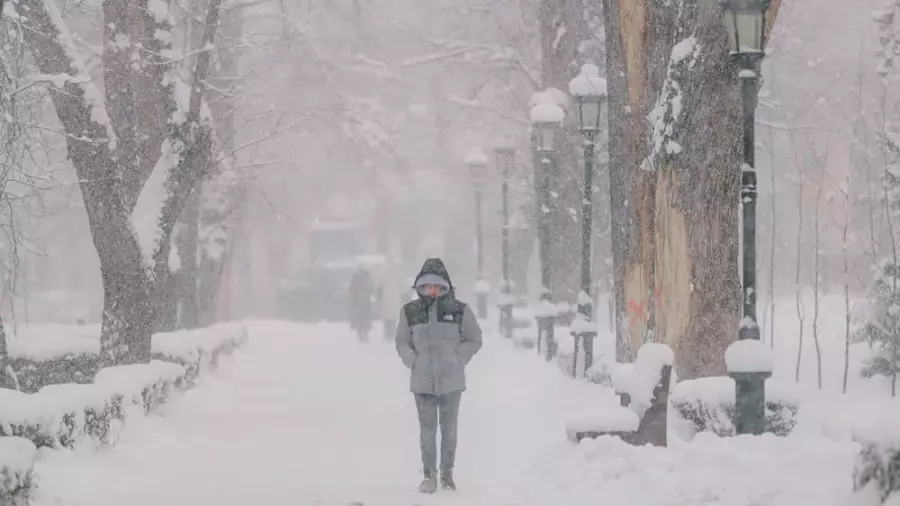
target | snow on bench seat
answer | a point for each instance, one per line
(645, 387)
(613, 420)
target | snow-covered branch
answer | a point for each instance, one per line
(667, 112)
(58, 58)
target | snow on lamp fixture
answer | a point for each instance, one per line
(477, 161)
(745, 22)
(545, 118)
(589, 90)
(505, 158)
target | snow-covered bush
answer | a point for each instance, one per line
(64, 415)
(16, 470)
(199, 349)
(881, 327)
(59, 416)
(877, 474)
(708, 404)
(32, 374)
(600, 372)
(39, 362)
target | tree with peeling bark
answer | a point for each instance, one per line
(675, 146)
(138, 148)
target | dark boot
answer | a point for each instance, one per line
(447, 482)
(429, 484)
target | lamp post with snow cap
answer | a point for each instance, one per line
(546, 117)
(749, 363)
(477, 161)
(745, 23)
(506, 156)
(589, 90)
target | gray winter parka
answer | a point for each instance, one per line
(436, 339)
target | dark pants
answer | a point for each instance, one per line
(435, 409)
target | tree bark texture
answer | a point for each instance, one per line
(676, 229)
(113, 142)
(186, 240)
(127, 313)
(222, 197)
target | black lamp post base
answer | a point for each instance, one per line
(586, 340)
(547, 343)
(750, 331)
(506, 323)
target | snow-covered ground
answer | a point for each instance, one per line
(306, 415)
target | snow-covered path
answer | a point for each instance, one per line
(307, 416)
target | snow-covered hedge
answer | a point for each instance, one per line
(58, 359)
(16, 470)
(199, 349)
(708, 404)
(63, 415)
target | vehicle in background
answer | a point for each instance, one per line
(318, 292)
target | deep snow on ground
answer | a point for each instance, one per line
(306, 415)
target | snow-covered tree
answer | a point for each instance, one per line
(139, 146)
(881, 326)
(888, 36)
(881, 329)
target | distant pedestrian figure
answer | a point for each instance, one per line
(437, 336)
(361, 300)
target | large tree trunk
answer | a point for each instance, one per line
(187, 240)
(221, 195)
(4, 350)
(222, 201)
(115, 154)
(630, 187)
(676, 242)
(127, 314)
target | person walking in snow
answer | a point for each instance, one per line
(361, 294)
(437, 335)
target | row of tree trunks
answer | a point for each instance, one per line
(205, 224)
(563, 30)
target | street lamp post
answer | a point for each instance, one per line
(506, 156)
(589, 90)
(546, 117)
(478, 161)
(745, 22)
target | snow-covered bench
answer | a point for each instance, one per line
(644, 397)
(16, 470)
